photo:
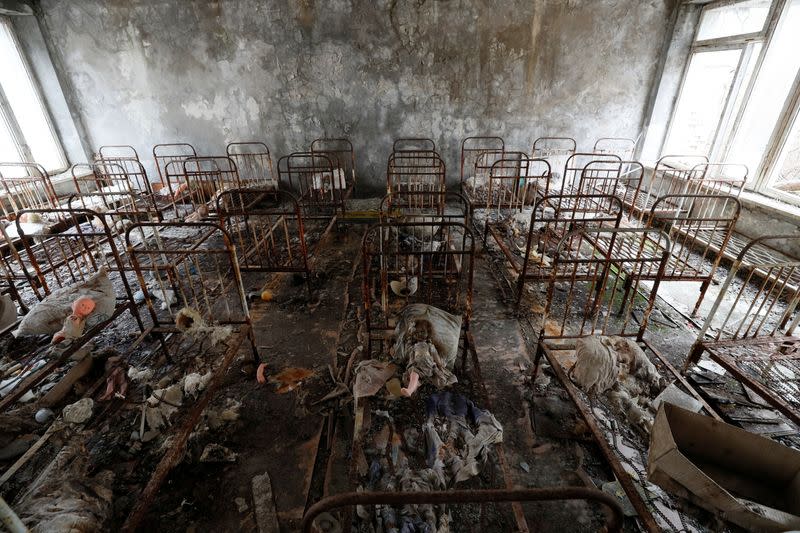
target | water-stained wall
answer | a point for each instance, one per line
(142, 72)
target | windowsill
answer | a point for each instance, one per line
(771, 206)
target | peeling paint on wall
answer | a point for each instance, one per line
(150, 71)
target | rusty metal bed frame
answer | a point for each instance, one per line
(110, 152)
(413, 144)
(593, 299)
(620, 146)
(600, 177)
(310, 177)
(556, 151)
(672, 174)
(127, 157)
(165, 153)
(349, 499)
(268, 231)
(204, 274)
(552, 217)
(24, 186)
(445, 274)
(607, 166)
(254, 163)
(193, 184)
(62, 259)
(425, 205)
(106, 185)
(472, 147)
(197, 262)
(692, 221)
(750, 330)
(491, 170)
(341, 153)
(444, 271)
(409, 171)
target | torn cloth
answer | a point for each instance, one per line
(456, 439)
(371, 375)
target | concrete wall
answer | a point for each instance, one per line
(142, 72)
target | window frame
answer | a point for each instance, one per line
(8, 116)
(730, 120)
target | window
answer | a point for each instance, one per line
(740, 93)
(26, 133)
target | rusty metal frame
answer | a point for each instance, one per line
(599, 177)
(33, 190)
(413, 144)
(719, 178)
(761, 350)
(699, 226)
(421, 205)
(198, 263)
(192, 192)
(444, 271)
(165, 153)
(349, 499)
(620, 146)
(65, 258)
(556, 151)
(254, 162)
(551, 218)
(108, 185)
(340, 151)
(446, 280)
(311, 178)
(110, 152)
(587, 302)
(472, 147)
(408, 171)
(575, 165)
(496, 165)
(671, 175)
(267, 229)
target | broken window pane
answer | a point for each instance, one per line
(734, 19)
(770, 91)
(702, 100)
(26, 105)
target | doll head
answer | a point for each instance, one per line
(83, 306)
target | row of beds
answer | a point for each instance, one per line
(598, 236)
(261, 226)
(602, 233)
(194, 238)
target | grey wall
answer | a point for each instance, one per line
(143, 71)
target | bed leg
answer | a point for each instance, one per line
(694, 356)
(536, 359)
(308, 286)
(703, 289)
(626, 290)
(520, 290)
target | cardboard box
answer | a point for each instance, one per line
(746, 479)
